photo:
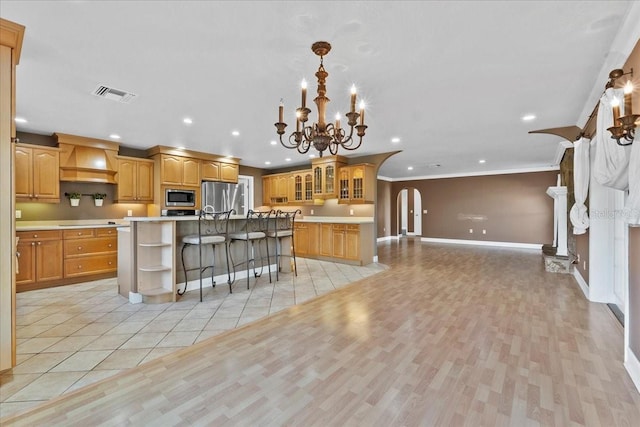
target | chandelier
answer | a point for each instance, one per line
(624, 127)
(322, 135)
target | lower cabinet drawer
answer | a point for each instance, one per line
(90, 265)
(80, 247)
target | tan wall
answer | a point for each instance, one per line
(383, 209)
(514, 208)
(582, 249)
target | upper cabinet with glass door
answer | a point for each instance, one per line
(325, 176)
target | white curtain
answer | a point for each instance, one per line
(612, 160)
(578, 214)
(631, 211)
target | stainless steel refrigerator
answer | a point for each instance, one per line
(223, 196)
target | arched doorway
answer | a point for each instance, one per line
(409, 206)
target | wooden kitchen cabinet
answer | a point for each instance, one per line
(179, 171)
(229, 172)
(135, 180)
(307, 239)
(352, 242)
(37, 174)
(276, 189)
(325, 176)
(40, 259)
(302, 187)
(90, 251)
(211, 170)
(326, 240)
(356, 184)
(338, 240)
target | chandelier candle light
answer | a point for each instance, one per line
(624, 127)
(322, 135)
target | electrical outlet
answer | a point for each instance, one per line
(311, 211)
(484, 231)
(584, 265)
(18, 214)
(129, 212)
(351, 212)
(424, 211)
(471, 231)
(578, 258)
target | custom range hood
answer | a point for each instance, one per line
(87, 159)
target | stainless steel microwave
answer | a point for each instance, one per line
(178, 197)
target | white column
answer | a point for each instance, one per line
(559, 194)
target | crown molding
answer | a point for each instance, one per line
(466, 174)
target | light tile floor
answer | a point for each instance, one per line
(71, 336)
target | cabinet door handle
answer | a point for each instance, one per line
(33, 243)
(109, 244)
(36, 196)
(35, 236)
(79, 267)
(39, 243)
(79, 248)
(110, 262)
(79, 233)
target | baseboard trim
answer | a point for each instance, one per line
(632, 364)
(484, 243)
(221, 279)
(385, 238)
(581, 282)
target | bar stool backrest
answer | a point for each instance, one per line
(258, 221)
(212, 223)
(285, 220)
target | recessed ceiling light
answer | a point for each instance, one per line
(482, 161)
(267, 162)
(273, 143)
(114, 136)
(528, 117)
(395, 140)
(187, 121)
(287, 159)
(410, 168)
(20, 120)
(235, 133)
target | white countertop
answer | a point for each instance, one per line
(66, 224)
(318, 219)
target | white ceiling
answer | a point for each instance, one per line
(450, 79)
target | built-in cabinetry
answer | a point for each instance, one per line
(135, 180)
(59, 257)
(155, 260)
(356, 184)
(211, 170)
(39, 259)
(351, 243)
(329, 178)
(277, 189)
(37, 171)
(90, 251)
(325, 176)
(302, 187)
(307, 239)
(185, 169)
(179, 171)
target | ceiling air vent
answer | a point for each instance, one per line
(114, 94)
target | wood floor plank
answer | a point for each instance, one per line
(448, 335)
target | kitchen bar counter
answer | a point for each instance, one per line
(317, 219)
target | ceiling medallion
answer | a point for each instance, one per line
(322, 135)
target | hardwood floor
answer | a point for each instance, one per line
(449, 335)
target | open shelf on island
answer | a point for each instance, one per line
(156, 261)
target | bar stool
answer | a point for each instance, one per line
(255, 231)
(283, 226)
(213, 230)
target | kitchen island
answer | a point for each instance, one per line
(150, 267)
